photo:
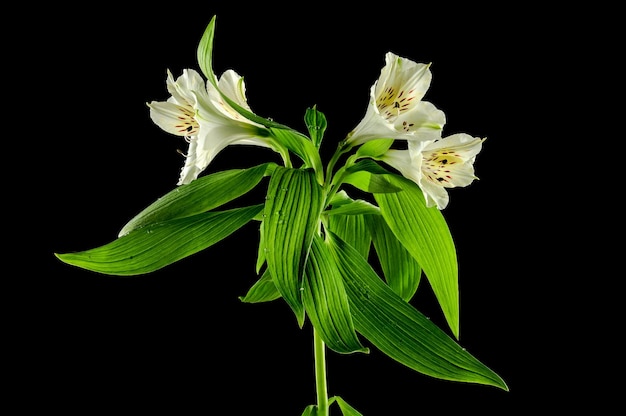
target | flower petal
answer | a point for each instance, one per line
(184, 87)
(437, 165)
(199, 113)
(372, 127)
(194, 163)
(174, 118)
(233, 86)
(395, 104)
(401, 85)
(424, 121)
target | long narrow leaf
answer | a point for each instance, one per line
(286, 138)
(369, 182)
(310, 410)
(264, 290)
(157, 245)
(353, 230)
(260, 257)
(425, 234)
(204, 55)
(326, 302)
(399, 330)
(401, 270)
(353, 208)
(292, 210)
(346, 409)
(205, 51)
(203, 194)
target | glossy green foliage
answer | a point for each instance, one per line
(326, 301)
(292, 208)
(429, 242)
(399, 330)
(187, 200)
(157, 245)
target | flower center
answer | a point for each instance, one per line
(438, 166)
(188, 125)
(391, 103)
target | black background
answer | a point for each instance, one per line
(179, 341)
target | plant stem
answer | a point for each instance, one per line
(341, 149)
(320, 375)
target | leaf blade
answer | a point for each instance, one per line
(429, 242)
(203, 194)
(263, 290)
(157, 245)
(353, 230)
(326, 302)
(402, 272)
(399, 330)
(346, 409)
(292, 210)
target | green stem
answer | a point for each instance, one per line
(341, 149)
(320, 375)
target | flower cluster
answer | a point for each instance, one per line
(200, 114)
(396, 111)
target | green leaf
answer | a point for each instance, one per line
(310, 410)
(157, 245)
(424, 233)
(301, 146)
(292, 215)
(370, 182)
(353, 230)
(204, 54)
(374, 148)
(316, 124)
(203, 194)
(401, 270)
(346, 409)
(326, 302)
(285, 137)
(205, 51)
(356, 207)
(399, 330)
(368, 165)
(264, 290)
(260, 257)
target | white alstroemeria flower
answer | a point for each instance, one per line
(437, 165)
(198, 113)
(396, 109)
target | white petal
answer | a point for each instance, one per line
(213, 107)
(424, 121)
(399, 159)
(372, 127)
(173, 118)
(395, 104)
(194, 164)
(401, 85)
(233, 86)
(198, 112)
(434, 195)
(183, 88)
(215, 137)
(449, 161)
(464, 144)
